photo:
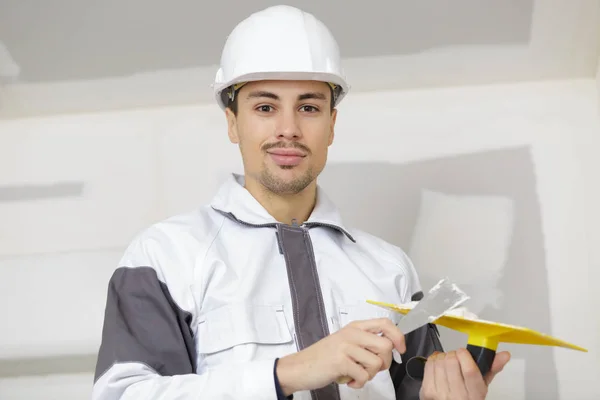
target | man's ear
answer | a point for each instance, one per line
(332, 131)
(232, 131)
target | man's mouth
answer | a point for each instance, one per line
(286, 157)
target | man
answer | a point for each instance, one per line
(261, 294)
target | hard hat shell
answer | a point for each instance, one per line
(280, 43)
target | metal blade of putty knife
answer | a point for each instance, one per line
(441, 298)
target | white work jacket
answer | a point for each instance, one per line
(202, 304)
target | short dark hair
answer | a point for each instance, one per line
(233, 104)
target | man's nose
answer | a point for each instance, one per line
(288, 126)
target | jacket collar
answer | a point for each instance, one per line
(234, 200)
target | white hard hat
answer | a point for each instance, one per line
(279, 43)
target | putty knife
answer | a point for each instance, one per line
(441, 298)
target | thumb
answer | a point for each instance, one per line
(500, 361)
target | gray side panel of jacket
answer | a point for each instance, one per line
(307, 301)
(143, 324)
(420, 342)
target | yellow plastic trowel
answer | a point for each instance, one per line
(485, 336)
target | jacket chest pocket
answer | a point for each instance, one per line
(239, 333)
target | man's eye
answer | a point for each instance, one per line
(264, 108)
(309, 108)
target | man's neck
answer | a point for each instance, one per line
(285, 208)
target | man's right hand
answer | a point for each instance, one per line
(356, 351)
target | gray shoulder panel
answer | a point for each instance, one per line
(142, 323)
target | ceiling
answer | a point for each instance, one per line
(74, 56)
(70, 39)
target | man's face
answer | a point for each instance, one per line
(283, 129)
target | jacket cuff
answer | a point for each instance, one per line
(280, 395)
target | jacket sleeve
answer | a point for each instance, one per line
(420, 342)
(147, 349)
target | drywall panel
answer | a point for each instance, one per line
(54, 303)
(48, 387)
(73, 183)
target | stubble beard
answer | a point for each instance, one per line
(280, 187)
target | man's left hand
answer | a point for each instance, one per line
(455, 375)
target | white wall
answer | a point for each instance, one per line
(140, 166)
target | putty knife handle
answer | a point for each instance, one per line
(483, 356)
